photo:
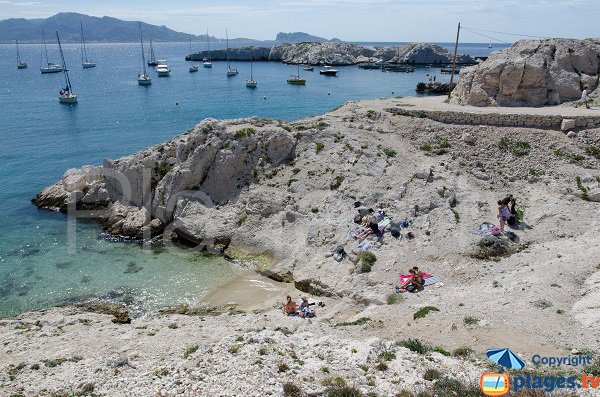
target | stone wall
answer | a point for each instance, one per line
(496, 119)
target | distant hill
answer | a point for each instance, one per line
(300, 37)
(105, 29)
(113, 30)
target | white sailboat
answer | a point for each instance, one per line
(251, 82)
(50, 67)
(193, 68)
(206, 62)
(230, 71)
(66, 95)
(143, 78)
(85, 61)
(20, 63)
(151, 57)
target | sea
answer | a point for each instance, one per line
(40, 138)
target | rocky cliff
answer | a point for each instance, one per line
(531, 73)
(337, 53)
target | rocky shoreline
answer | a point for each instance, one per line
(338, 54)
(289, 189)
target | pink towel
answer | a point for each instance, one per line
(403, 278)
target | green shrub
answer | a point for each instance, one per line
(426, 147)
(387, 356)
(163, 170)
(424, 311)
(290, 181)
(337, 182)
(189, 350)
(243, 218)
(432, 374)
(366, 260)
(318, 147)
(314, 210)
(338, 387)
(517, 148)
(468, 320)
(282, 367)
(463, 352)
(360, 321)
(583, 189)
(291, 390)
(441, 350)
(244, 132)
(389, 152)
(447, 387)
(593, 151)
(234, 348)
(394, 298)
(415, 345)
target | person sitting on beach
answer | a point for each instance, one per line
(510, 202)
(585, 99)
(415, 282)
(305, 309)
(503, 214)
(290, 308)
(371, 227)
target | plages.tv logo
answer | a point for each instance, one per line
(498, 384)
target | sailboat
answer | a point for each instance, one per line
(251, 82)
(66, 95)
(295, 79)
(50, 67)
(230, 71)
(490, 46)
(151, 58)
(206, 62)
(85, 61)
(193, 68)
(20, 64)
(143, 78)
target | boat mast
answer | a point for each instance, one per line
(45, 47)
(151, 48)
(191, 62)
(208, 42)
(18, 54)
(64, 65)
(142, 44)
(227, 51)
(83, 49)
(454, 62)
(251, 62)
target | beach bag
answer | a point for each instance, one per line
(520, 212)
(394, 232)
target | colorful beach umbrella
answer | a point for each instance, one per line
(505, 358)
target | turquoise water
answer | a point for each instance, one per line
(40, 139)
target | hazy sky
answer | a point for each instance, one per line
(353, 20)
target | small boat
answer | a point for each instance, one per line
(448, 70)
(143, 78)
(20, 64)
(163, 70)
(308, 68)
(206, 61)
(490, 46)
(230, 71)
(151, 57)
(328, 71)
(193, 68)
(50, 67)
(85, 61)
(251, 82)
(295, 79)
(66, 95)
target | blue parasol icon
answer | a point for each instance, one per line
(505, 358)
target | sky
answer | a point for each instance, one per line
(350, 20)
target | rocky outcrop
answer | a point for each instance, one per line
(178, 185)
(427, 53)
(531, 73)
(336, 53)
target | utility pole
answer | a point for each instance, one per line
(454, 62)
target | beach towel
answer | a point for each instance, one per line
(403, 277)
(364, 246)
(486, 229)
(384, 222)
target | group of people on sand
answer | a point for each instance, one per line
(290, 308)
(507, 213)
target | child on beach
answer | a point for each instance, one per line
(585, 99)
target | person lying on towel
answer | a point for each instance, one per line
(415, 282)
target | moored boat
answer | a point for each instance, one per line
(20, 63)
(66, 95)
(163, 70)
(143, 78)
(251, 82)
(85, 61)
(151, 57)
(50, 66)
(328, 71)
(206, 61)
(295, 79)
